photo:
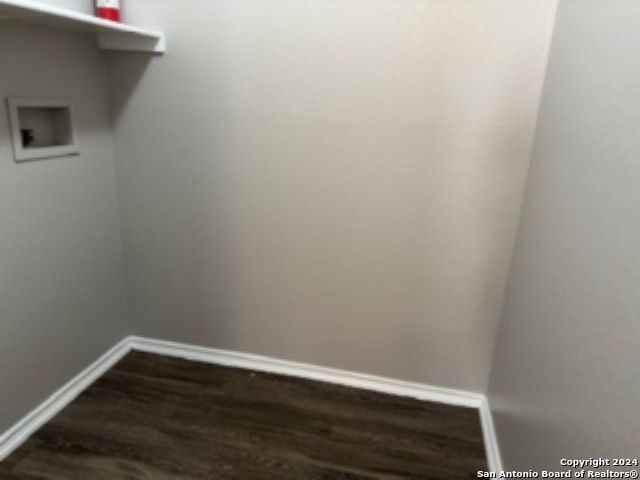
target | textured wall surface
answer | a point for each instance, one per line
(565, 376)
(62, 300)
(335, 182)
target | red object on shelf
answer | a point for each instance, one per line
(108, 9)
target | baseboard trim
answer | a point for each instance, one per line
(491, 446)
(23, 429)
(313, 372)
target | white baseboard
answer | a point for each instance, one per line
(491, 446)
(24, 428)
(19, 433)
(312, 372)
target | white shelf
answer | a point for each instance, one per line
(111, 35)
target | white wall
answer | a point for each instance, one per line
(62, 298)
(565, 376)
(335, 182)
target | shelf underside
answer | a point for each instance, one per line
(110, 35)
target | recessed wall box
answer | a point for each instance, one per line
(41, 128)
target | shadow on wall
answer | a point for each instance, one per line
(506, 176)
(126, 71)
(177, 246)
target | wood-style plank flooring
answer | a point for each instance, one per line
(154, 417)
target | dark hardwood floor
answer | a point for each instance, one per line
(154, 417)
